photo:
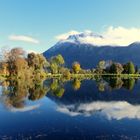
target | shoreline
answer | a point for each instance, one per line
(94, 75)
(83, 76)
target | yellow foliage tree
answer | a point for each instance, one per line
(76, 67)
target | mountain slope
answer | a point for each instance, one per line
(88, 54)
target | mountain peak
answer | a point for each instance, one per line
(86, 37)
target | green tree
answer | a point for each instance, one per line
(54, 85)
(129, 68)
(59, 92)
(59, 59)
(54, 68)
(56, 63)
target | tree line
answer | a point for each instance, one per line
(19, 64)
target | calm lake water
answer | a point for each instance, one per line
(75, 110)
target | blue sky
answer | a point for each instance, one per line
(45, 19)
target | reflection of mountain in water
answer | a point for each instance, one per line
(89, 92)
(116, 104)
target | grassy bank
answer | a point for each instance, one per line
(85, 76)
(94, 75)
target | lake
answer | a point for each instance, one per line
(73, 110)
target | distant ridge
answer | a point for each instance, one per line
(74, 48)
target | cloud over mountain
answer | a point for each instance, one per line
(113, 36)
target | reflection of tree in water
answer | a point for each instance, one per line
(129, 83)
(101, 85)
(16, 92)
(37, 92)
(76, 84)
(57, 88)
(116, 83)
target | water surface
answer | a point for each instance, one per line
(71, 110)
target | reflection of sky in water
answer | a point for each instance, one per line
(81, 114)
(111, 110)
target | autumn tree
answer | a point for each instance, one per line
(21, 67)
(37, 61)
(76, 84)
(12, 58)
(76, 67)
(66, 73)
(38, 64)
(116, 68)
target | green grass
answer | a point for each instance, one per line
(85, 76)
(94, 75)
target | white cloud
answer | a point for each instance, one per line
(31, 51)
(26, 108)
(23, 39)
(111, 110)
(119, 36)
(122, 36)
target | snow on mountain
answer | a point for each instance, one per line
(112, 36)
(89, 48)
(86, 37)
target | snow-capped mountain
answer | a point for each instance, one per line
(85, 48)
(82, 38)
